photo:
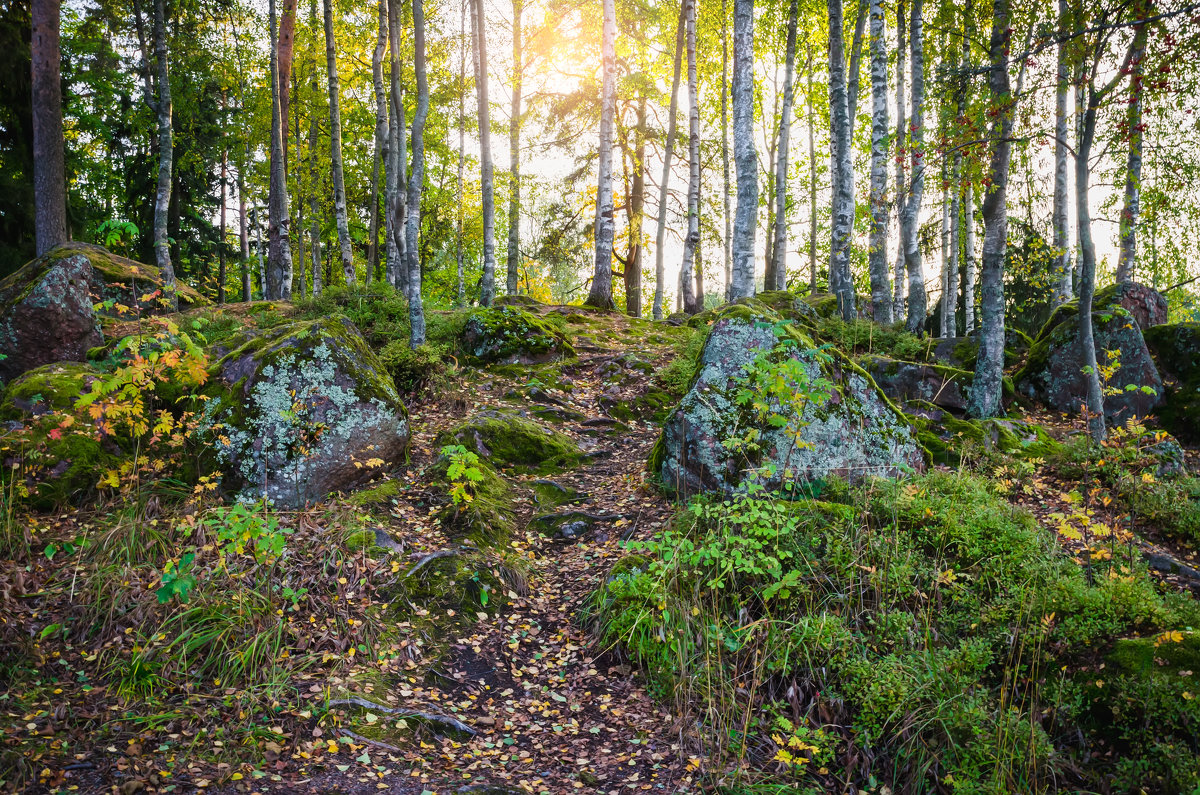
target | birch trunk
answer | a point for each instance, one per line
(243, 228)
(286, 48)
(899, 292)
(637, 214)
(314, 204)
(690, 304)
(987, 384)
(600, 295)
(970, 310)
(1063, 289)
(1087, 265)
(842, 222)
(514, 149)
(660, 237)
(397, 204)
(912, 207)
(1131, 209)
(416, 179)
(335, 151)
(881, 297)
(166, 145)
(949, 277)
(298, 284)
(852, 79)
(744, 155)
(727, 216)
(382, 135)
(279, 253)
(479, 28)
(812, 178)
(49, 172)
(221, 266)
(461, 295)
(779, 267)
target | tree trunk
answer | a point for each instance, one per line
(382, 136)
(812, 181)
(396, 202)
(852, 80)
(779, 266)
(166, 144)
(49, 175)
(1087, 269)
(987, 384)
(744, 154)
(1131, 209)
(335, 151)
(660, 237)
(690, 303)
(514, 148)
(461, 295)
(487, 183)
(221, 266)
(637, 212)
(1063, 288)
(881, 297)
(285, 48)
(416, 179)
(600, 294)
(899, 291)
(970, 310)
(912, 207)
(727, 217)
(949, 264)
(298, 285)
(243, 228)
(314, 205)
(279, 256)
(841, 283)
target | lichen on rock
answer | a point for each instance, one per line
(302, 410)
(855, 433)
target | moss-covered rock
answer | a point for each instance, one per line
(716, 440)
(56, 457)
(489, 515)
(948, 438)
(508, 335)
(1176, 349)
(826, 305)
(1053, 373)
(1147, 305)
(302, 410)
(506, 439)
(941, 385)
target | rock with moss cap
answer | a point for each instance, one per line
(510, 439)
(945, 387)
(302, 410)
(1176, 350)
(509, 335)
(1053, 374)
(59, 458)
(715, 441)
(48, 309)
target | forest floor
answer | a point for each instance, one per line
(550, 710)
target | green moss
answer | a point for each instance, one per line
(49, 388)
(506, 440)
(380, 493)
(508, 334)
(490, 515)
(1172, 653)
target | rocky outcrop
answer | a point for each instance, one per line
(508, 439)
(945, 387)
(824, 417)
(1053, 373)
(1147, 305)
(302, 410)
(1176, 349)
(509, 335)
(50, 309)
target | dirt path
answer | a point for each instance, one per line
(553, 712)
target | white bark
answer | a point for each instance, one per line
(841, 284)
(899, 294)
(660, 237)
(912, 206)
(514, 149)
(1063, 289)
(727, 215)
(745, 157)
(691, 302)
(416, 179)
(600, 294)
(487, 290)
(881, 298)
(335, 151)
(279, 255)
(779, 251)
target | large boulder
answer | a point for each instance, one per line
(945, 387)
(1147, 305)
(50, 309)
(717, 440)
(1053, 373)
(510, 439)
(302, 410)
(510, 335)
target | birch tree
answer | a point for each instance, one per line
(1131, 207)
(909, 219)
(987, 383)
(514, 149)
(660, 237)
(157, 95)
(487, 290)
(899, 284)
(382, 134)
(841, 284)
(745, 156)
(726, 215)
(314, 174)
(416, 180)
(1063, 290)
(335, 151)
(461, 294)
(600, 294)
(776, 276)
(877, 259)
(691, 302)
(279, 245)
(397, 202)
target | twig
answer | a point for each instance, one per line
(428, 717)
(432, 556)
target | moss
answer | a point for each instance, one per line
(516, 300)
(549, 494)
(508, 440)
(380, 493)
(1172, 653)
(489, 516)
(508, 334)
(948, 438)
(49, 388)
(359, 540)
